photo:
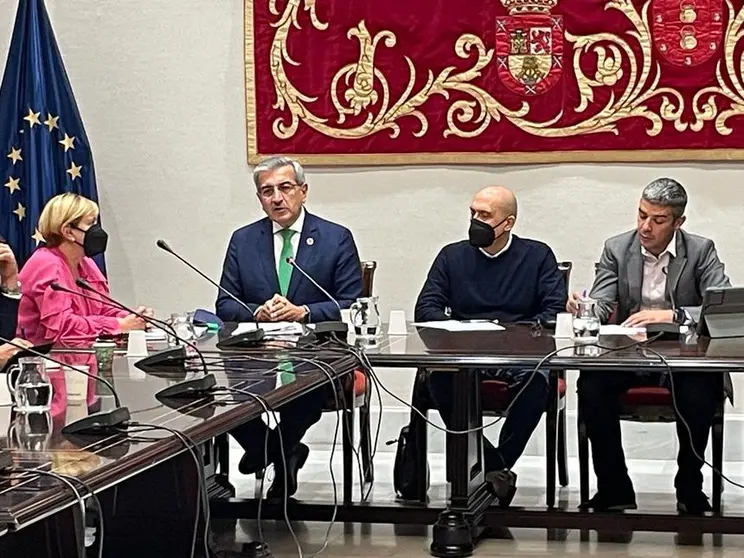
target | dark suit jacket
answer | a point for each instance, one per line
(8, 316)
(326, 252)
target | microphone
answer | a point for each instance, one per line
(97, 423)
(326, 328)
(665, 331)
(83, 284)
(163, 245)
(291, 261)
(175, 355)
(665, 271)
(246, 338)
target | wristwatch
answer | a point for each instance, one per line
(680, 316)
(11, 293)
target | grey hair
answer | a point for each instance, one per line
(278, 162)
(667, 192)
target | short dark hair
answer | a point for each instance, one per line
(668, 192)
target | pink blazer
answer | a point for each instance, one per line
(45, 315)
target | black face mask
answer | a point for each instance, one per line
(482, 234)
(95, 240)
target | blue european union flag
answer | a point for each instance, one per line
(44, 150)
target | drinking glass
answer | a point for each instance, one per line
(586, 322)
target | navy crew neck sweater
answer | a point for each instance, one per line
(521, 284)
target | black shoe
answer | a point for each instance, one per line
(695, 503)
(504, 485)
(295, 461)
(606, 501)
(249, 466)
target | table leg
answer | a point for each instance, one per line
(459, 528)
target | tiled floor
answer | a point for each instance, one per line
(653, 481)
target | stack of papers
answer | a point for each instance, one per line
(611, 329)
(155, 335)
(271, 329)
(454, 325)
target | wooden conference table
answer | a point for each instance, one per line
(469, 511)
(147, 482)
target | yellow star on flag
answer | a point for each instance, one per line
(74, 171)
(51, 122)
(32, 118)
(21, 212)
(15, 155)
(68, 142)
(13, 184)
(37, 237)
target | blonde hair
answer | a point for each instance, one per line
(61, 211)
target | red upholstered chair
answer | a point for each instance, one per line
(653, 404)
(495, 399)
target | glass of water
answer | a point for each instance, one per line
(586, 322)
(184, 326)
(30, 385)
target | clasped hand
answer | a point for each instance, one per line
(279, 309)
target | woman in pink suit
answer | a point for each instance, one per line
(72, 235)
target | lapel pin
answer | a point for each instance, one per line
(310, 241)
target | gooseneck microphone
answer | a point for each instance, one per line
(246, 338)
(163, 245)
(291, 261)
(157, 323)
(323, 329)
(98, 422)
(175, 355)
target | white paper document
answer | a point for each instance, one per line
(454, 325)
(271, 328)
(611, 329)
(155, 335)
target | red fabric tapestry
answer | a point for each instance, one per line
(494, 81)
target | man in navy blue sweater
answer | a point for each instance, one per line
(498, 276)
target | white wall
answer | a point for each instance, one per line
(160, 87)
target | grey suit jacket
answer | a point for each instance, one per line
(619, 278)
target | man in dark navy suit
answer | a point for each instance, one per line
(257, 272)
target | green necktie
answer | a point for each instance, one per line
(285, 270)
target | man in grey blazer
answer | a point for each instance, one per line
(657, 273)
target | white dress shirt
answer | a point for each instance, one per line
(279, 241)
(497, 254)
(655, 277)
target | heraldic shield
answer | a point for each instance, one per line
(687, 32)
(529, 46)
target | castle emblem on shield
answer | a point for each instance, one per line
(529, 46)
(687, 32)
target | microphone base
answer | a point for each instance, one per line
(172, 357)
(103, 423)
(243, 340)
(6, 460)
(189, 389)
(325, 331)
(669, 332)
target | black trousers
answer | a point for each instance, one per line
(295, 417)
(696, 394)
(520, 423)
